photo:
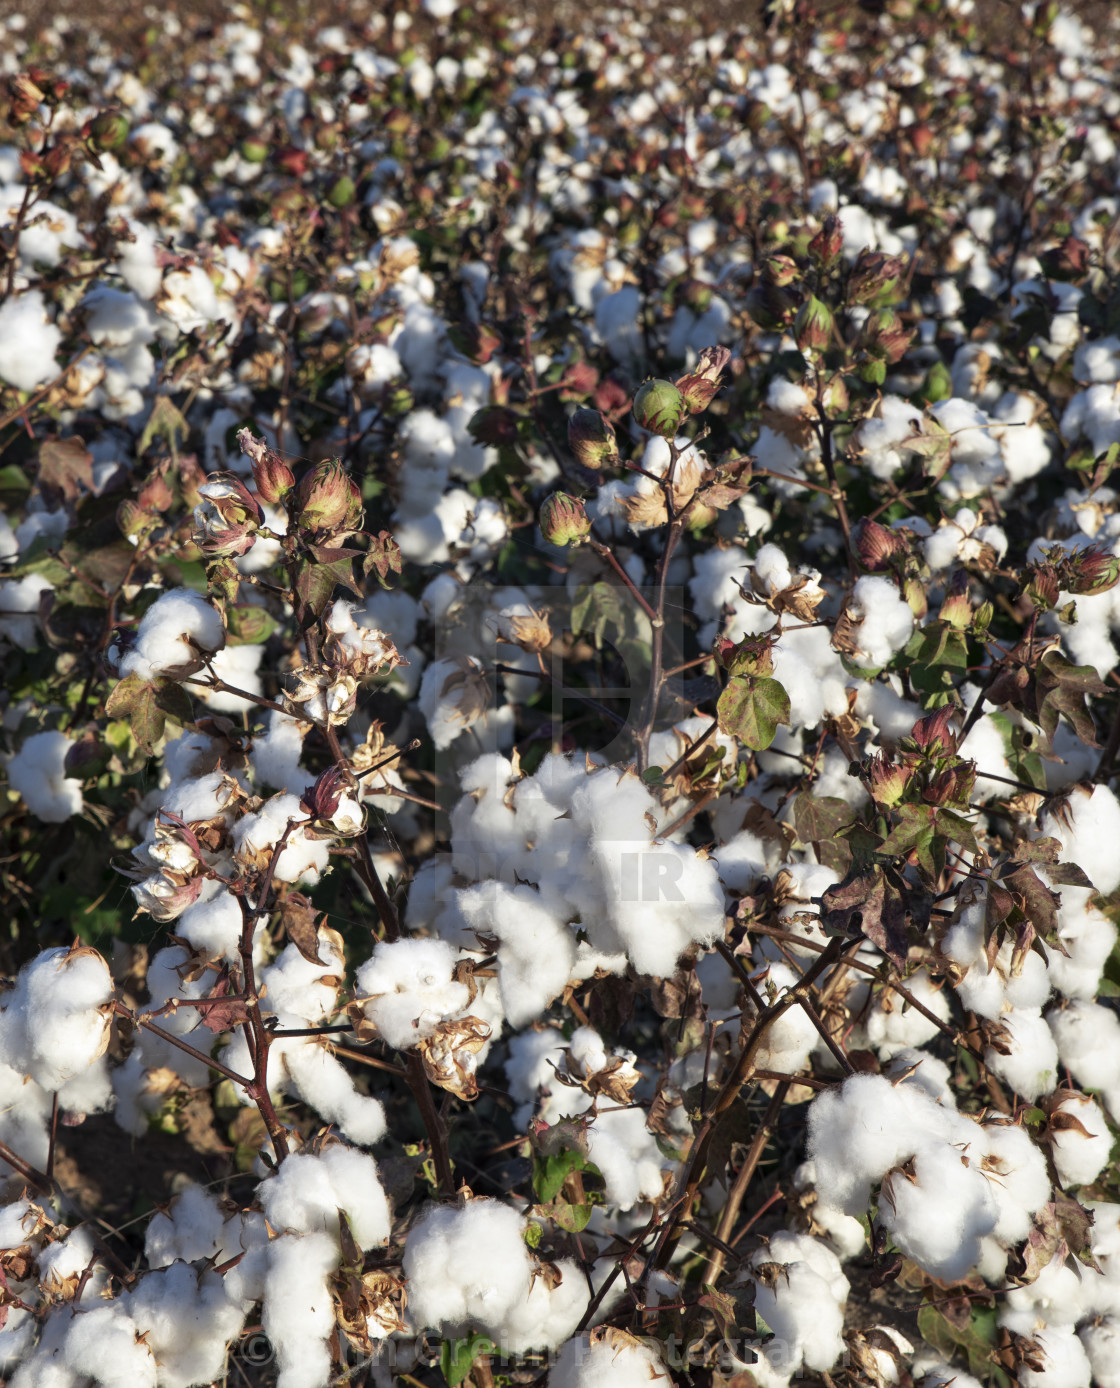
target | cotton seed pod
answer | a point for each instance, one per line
(591, 439)
(876, 545)
(699, 387)
(885, 336)
(813, 326)
(166, 895)
(659, 408)
(563, 520)
(227, 517)
(886, 781)
(274, 478)
(329, 499)
(872, 275)
(828, 242)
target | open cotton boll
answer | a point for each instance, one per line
(799, 1305)
(37, 773)
(1088, 830)
(187, 1321)
(1065, 1363)
(881, 440)
(536, 950)
(883, 623)
(1017, 1177)
(938, 1209)
(275, 755)
(213, 925)
(791, 1038)
(105, 1345)
(1088, 937)
(1088, 1043)
(861, 1129)
(1079, 1139)
(608, 1358)
(55, 1022)
(28, 341)
(530, 1068)
(892, 1025)
(406, 989)
(19, 608)
(1102, 1348)
(547, 1315)
(454, 695)
(1031, 1067)
(171, 633)
(255, 836)
(307, 1192)
(466, 1266)
(190, 1229)
(322, 1081)
(929, 1370)
(239, 666)
(298, 1313)
(627, 1154)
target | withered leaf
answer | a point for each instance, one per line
(299, 921)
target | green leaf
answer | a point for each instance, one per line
(817, 818)
(248, 625)
(550, 1172)
(751, 709)
(457, 1357)
(974, 1341)
(573, 1218)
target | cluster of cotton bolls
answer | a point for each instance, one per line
(416, 240)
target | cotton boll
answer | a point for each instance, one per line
(883, 622)
(275, 755)
(1031, 1067)
(105, 1344)
(1017, 1176)
(298, 1313)
(1065, 1363)
(406, 989)
(1080, 1152)
(791, 1038)
(1088, 1043)
(892, 1025)
(608, 1359)
(213, 925)
(19, 607)
(466, 1266)
(55, 1022)
(308, 1190)
(453, 697)
(323, 1081)
(536, 950)
(255, 837)
(798, 1305)
(861, 1129)
(238, 666)
(547, 1315)
(37, 772)
(1102, 1348)
(1088, 830)
(530, 1068)
(929, 1370)
(627, 1154)
(939, 1215)
(187, 1321)
(190, 1229)
(169, 633)
(28, 341)
(1088, 937)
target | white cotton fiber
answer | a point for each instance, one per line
(28, 341)
(298, 1313)
(171, 634)
(37, 773)
(306, 1194)
(536, 949)
(596, 1360)
(1088, 828)
(467, 1266)
(55, 1022)
(406, 989)
(883, 621)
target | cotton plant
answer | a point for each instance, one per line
(584, 695)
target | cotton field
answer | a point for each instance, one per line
(559, 600)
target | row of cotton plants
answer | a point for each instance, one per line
(558, 608)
